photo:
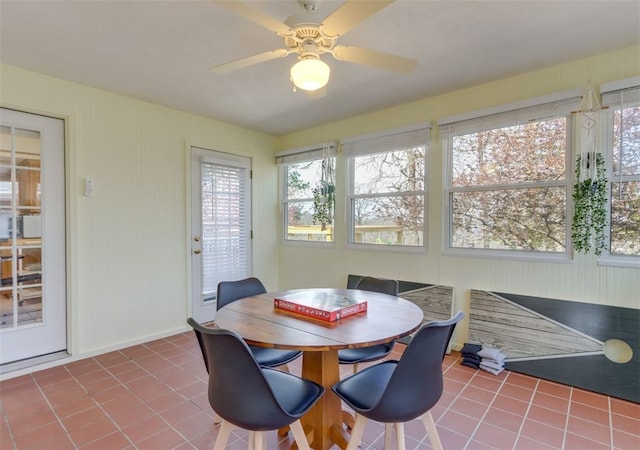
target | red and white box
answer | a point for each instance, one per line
(326, 306)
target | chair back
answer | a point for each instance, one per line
(193, 325)
(238, 389)
(417, 382)
(230, 291)
(383, 286)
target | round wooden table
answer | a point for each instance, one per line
(255, 319)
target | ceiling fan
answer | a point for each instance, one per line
(309, 36)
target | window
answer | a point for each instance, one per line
(507, 178)
(622, 150)
(308, 193)
(387, 187)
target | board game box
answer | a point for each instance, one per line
(326, 306)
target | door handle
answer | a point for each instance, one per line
(197, 251)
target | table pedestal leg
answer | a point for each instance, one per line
(322, 367)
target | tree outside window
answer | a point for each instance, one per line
(302, 182)
(508, 188)
(388, 193)
(625, 182)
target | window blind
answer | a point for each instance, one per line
(391, 140)
(225, 228)
(561, 104)
(621, 93)
(303, 154)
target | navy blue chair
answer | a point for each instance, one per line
(230, 291)
(375, 352)
(395, 392)
(249, 396)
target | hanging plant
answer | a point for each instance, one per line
(589, 205)
(324, 194)
(323, 200)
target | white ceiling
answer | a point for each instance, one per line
(161, 51)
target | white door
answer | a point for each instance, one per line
(221, 225)
(32, 234)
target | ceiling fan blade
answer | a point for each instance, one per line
(255, 15)
(350, 14)
(250, 60)
(374, 58)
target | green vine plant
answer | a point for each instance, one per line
(590, 206)
(323, 200)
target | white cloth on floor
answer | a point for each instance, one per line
(483, 366)
(492, 354)
(492, 364)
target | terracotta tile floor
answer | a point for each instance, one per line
(154, 396)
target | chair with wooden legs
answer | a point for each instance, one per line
(230, 291)
(395, 392)
(249, 396)
(356, 356)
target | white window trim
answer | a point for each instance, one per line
(292, 156)
(383, 142)
(502, 116)
(609, 92)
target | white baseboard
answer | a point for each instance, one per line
(13, 370)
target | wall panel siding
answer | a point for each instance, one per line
(579, 280)
(127, 245)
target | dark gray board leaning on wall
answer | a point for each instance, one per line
(582, 369)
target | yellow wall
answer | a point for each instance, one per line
(128, 248)
(127, 245)
(581, 280)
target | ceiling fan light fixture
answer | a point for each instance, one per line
(310, 74)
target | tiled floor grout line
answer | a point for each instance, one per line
(480, 422)
(182, 396)
(610, 421)
(13, 439)
(526, 413)
(53, 410)
(566, 420)
(98, 404)
(134, 394)
(120, 383)
(448, 408)
(162, 360)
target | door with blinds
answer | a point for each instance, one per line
(221, 225)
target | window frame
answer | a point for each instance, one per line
(388, 141)
(285, 159)
(557, 105)
(610, 106)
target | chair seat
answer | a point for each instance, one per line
(273, 357)
(249, 396)
(364, 354)
(295, 395)
(356, 356)
(229, 292)
(363, 390)
(396, 392)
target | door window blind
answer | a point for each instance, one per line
(225, 227)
